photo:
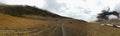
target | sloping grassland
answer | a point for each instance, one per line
(12, 23)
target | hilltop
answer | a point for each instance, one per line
(20, 10)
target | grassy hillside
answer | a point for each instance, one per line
(17, 26)
(18, 10)
(31, 21)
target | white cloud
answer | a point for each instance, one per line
(38, 3)
(112, 17)
(76, 8)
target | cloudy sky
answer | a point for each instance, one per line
(78, 9)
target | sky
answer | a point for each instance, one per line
(79, 9)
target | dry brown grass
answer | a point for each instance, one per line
(91, 30)
(15, 22)
(16, 26)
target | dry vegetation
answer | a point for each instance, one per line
(48, 26)
(14, 26)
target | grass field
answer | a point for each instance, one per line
(18, 26)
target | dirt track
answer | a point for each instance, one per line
(16, 26)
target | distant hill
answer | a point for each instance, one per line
(19, 10)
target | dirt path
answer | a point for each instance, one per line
(63, 28)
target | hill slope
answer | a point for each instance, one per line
(19, 10)
(14, 26)
(12, 23)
